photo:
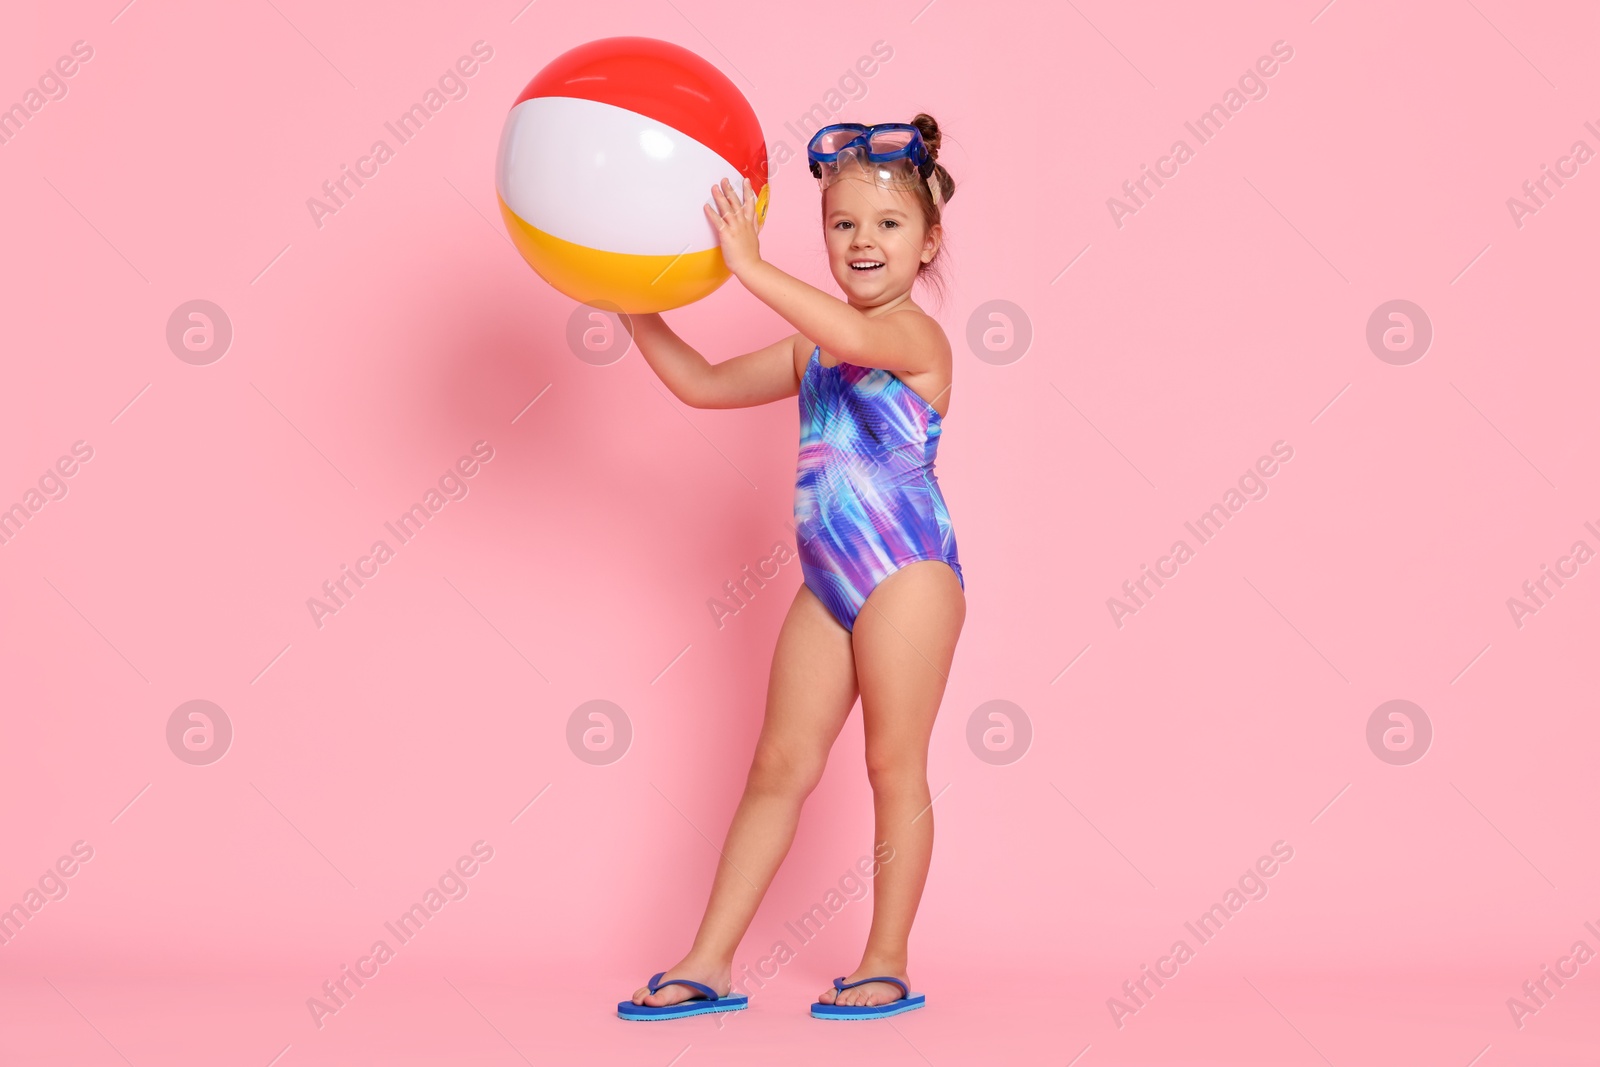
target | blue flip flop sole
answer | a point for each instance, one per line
(643, 1013)
(875, 1011)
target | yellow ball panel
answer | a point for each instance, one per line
(635, 284)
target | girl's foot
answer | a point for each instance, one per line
(718, 978)
(872, 993)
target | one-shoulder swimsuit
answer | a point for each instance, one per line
(866, 501)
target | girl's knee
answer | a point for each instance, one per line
(782, 771)
(896, 775)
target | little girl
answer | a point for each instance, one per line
(883, 599)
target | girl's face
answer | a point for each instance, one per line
(876, 240)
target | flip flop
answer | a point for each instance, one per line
(908, 1001)
(707, 1001)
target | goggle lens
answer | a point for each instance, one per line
(889, 140)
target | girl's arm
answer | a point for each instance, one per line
(908, 341)
(755, 378)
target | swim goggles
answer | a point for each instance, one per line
(889, 151)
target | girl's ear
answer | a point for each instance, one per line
(931, 242)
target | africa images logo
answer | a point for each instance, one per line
(452, 85)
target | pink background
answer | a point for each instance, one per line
(1228, 714)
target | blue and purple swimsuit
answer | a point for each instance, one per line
(866, 501)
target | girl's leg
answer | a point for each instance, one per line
(810, 692)
(904, 641)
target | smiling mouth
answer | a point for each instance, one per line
(862, 266)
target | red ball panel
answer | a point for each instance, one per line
(667, 83)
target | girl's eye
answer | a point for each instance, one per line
(890, 222)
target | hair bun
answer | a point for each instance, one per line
(929, 129)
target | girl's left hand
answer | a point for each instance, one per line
(736, 225)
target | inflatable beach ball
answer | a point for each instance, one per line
(605, 162)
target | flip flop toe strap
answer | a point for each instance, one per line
(841, 985)
(704, 990)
